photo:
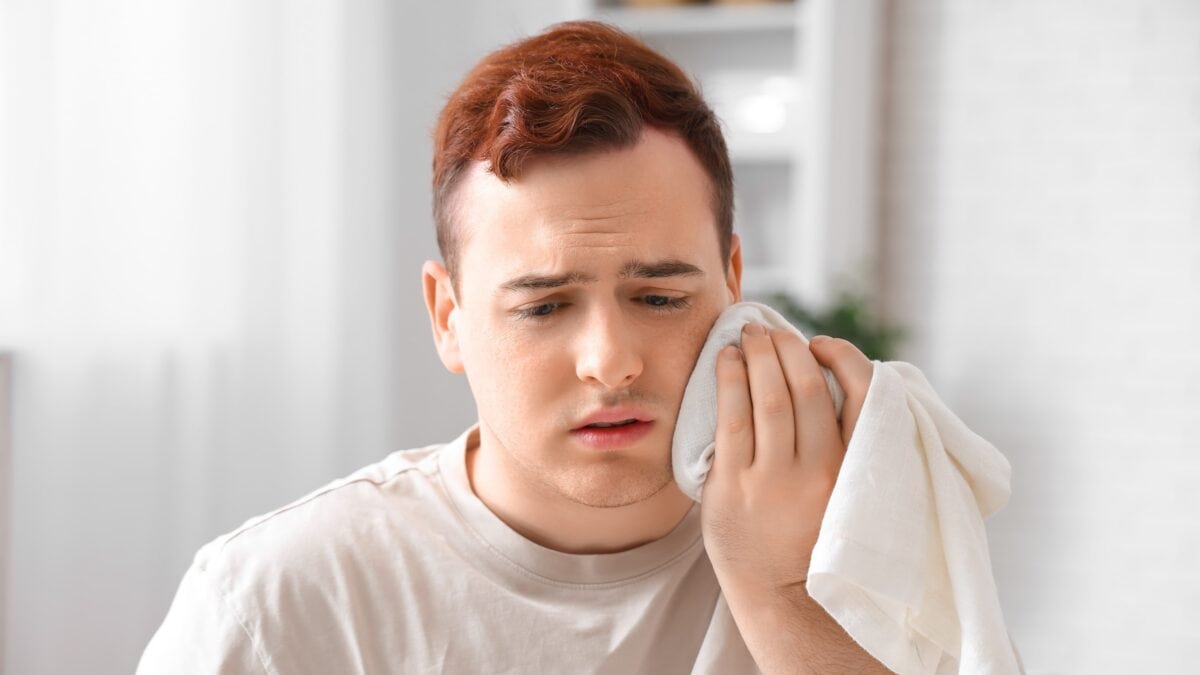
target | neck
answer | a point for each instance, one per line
(563, 525)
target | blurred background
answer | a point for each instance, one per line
(213, 215)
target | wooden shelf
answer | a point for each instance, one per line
(702, 19)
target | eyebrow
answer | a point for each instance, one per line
(635, 269)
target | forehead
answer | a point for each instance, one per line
(593, 213)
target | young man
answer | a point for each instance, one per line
(583, 199)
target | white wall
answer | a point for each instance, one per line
(212, 219)
(1041, 213)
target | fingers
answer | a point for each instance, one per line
(819, 441)
(735, 425)
(853, 371)
(773, 402)
(774, 421)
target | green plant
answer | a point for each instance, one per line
(848, 318)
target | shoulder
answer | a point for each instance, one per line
(349, 521)
(291, 584)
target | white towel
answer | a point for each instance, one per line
(901, 561)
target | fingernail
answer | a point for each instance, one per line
(819, 339)
(754, 329)
(730, 353)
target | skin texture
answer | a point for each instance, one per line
(602, 343)
(609, 341)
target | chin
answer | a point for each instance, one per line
(614, 485)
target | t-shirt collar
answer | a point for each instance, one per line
(548, 564)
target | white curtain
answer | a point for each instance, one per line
(212, 216)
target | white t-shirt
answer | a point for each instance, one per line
(400, 568)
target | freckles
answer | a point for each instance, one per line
(697, 331)
(693, 335)
(508, 342)
(695, 338)
(525, 360)
(689, 340)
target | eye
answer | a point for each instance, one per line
(538, 311)
(664, 303)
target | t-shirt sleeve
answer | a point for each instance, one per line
(202, 634)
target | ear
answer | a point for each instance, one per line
(443, 314)
(733, 279)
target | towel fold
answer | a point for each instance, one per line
(901, 561)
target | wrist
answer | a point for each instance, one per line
(784, 596)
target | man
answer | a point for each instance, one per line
(583, 199)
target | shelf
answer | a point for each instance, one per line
(796, 85)
(702, 19)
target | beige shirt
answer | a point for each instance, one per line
(400, 568)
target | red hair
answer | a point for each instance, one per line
(580, 86)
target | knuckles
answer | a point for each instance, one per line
(786, 339)
(737, 424)
(809, 387)
(731, 369)
(776, 404)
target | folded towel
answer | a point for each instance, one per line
(901, 561)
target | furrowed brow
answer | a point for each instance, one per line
(657, 270)
(527, 282)
(636, 269)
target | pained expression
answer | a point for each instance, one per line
(630, 238)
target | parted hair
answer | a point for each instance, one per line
(578, 87)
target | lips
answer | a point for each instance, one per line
(613, 428)
(613, 438)
(608, 425)
(613, 418)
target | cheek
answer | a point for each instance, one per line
(681, 352)
(521, 372)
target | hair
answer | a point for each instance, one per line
(578, 87)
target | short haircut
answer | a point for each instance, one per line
(578, 87)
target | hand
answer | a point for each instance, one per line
(779, 447)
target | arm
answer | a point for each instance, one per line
(779, 447)
(794, 634)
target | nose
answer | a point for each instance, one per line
(608, 352)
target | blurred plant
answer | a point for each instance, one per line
(849, 318)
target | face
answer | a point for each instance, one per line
(587, 284)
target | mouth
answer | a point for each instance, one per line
(611, 425)
(613, 435)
